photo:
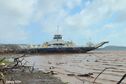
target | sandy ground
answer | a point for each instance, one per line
(93, 62)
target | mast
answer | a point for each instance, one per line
(57, 29)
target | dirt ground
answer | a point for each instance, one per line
(33, 78)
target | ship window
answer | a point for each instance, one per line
(57, 37)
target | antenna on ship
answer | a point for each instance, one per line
(57, 29)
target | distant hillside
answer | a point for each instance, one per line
(111, 47)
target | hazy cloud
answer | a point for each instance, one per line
(87, 18)
(14, 14)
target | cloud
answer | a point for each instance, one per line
(51, 14)
(85, 18)
(73, 3)
(13, 16)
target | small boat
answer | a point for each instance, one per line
(58, 45)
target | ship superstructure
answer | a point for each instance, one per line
(58, 42)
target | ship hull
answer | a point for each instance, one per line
(58, 50)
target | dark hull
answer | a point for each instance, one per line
(58, 50)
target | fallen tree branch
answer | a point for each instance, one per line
(119, 82)
(99, 75)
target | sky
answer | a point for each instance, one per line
(80, 21)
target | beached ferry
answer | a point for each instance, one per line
(58, 45)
